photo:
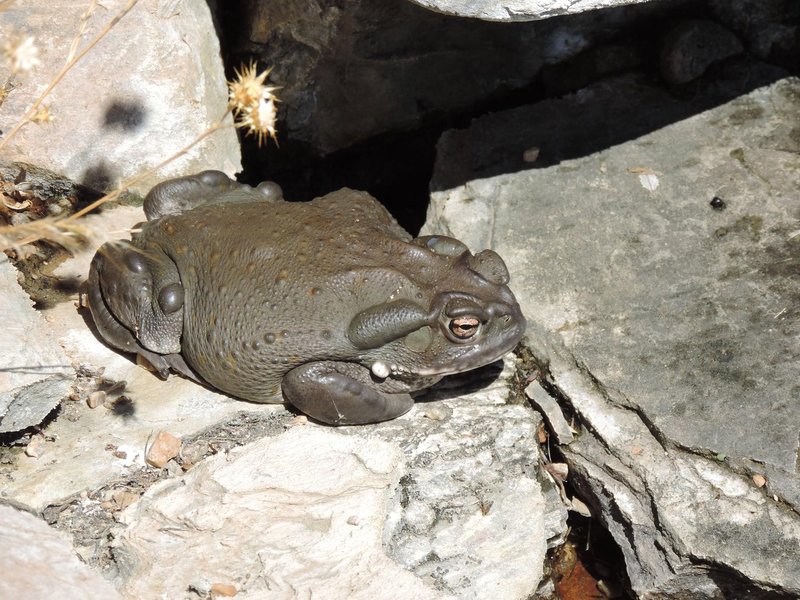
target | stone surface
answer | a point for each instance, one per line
(299, 515)
(692, 46)
(768, 27)
(37, 562)
(517, 10)
(356, 70)
(145, 91)
(669, 325)
(308, 511)
(35, 374)
(472, 471)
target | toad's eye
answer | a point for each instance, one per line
(464, 327)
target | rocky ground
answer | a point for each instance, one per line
(636, 167)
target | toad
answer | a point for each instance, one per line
(328, 305)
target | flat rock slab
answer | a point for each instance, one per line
(35, 374)
(299, 515)
(677, 306)
(121, 109)
(689, 311)
(36, 561)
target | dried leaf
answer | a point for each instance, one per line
(579, 507)
(649, 181)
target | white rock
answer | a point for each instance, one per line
(274, 518)
(145, 91)
(517, 10)
(35, 375)
(36, 561)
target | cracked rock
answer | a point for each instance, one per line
(35, 375)
(36, 561)
(668, 327)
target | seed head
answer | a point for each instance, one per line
(253, 102)
(42, 115)
(21, 53)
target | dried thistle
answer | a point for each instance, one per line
(21, 53)
(253, 102)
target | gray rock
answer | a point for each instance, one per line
(149, 88)
(35, 374)
(517, 10)
(547, 405)
(38, 562)
(299, 515)
(668, 325)
(472, 471)
(769, 27)
(692, 46)
(355, 70)
(308, 512)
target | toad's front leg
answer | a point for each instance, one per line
(339, 393)
(136, 299)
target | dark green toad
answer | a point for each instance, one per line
(327, 304)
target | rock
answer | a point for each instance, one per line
(551, 411)
(516, 10)
(470, 476)
(164, 448)
(122, 109)
(36, 375)
(666, 325)
(96, 398)
(693, 46)
(497, 143)
(36, 560)
(768, 27)
(454, 489)
(280, 508)
(355, 70)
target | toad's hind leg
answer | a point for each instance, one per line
(181, 194)
(329, 392)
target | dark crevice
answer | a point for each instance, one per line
(396, 166)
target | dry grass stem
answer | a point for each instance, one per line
(85, 17)
(65, 69)
(69, 236)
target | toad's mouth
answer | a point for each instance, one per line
(471, 357)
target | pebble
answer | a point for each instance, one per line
(97, 398)
(223, 589)
(34, 447)
(165, 447)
